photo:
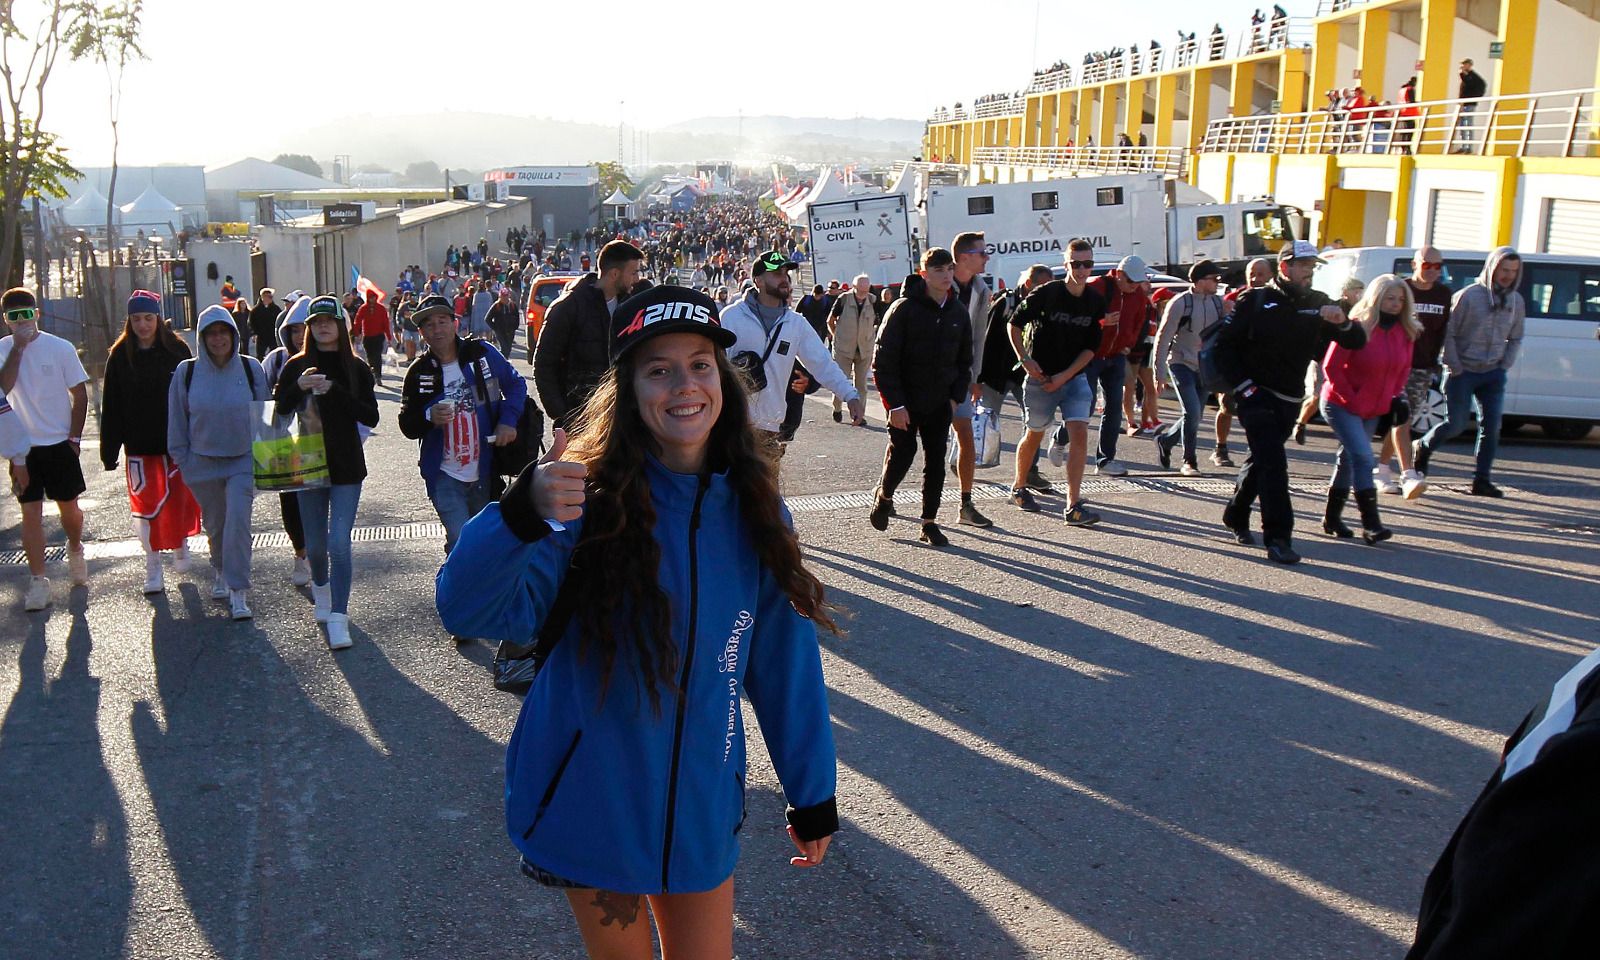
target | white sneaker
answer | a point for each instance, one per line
(322, 601)
(180, 559)
(154, 582)
(37, 596)
(338, 631)
(1413, 484)
(237, 608)
(1189, 470)
(1057, 451)
(1384, 478)
(77, 566)
(301, 575)
(219, 587)
(1111, 468)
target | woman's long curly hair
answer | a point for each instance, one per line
(622, 611)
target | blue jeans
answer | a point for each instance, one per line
(1108, 374)
(1460, 390)
(1186, 382)
(1352, 465)
(456, 502)
(328, 516)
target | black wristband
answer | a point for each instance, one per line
(816, 821)
(518, 511)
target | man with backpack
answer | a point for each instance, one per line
(1191, 321)
(1125, 292)
(1261, 352)
(462, 400)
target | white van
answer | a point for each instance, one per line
(1556, 379)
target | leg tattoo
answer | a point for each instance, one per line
(619, 908)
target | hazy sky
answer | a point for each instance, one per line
(223, 76)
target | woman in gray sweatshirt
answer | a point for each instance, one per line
(211, 409)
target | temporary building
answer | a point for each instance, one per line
(151, 209)
(89, 210)
(618, 205)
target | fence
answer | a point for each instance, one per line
(1171, 161)
(1560, 123)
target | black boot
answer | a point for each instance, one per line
(1372, 528)
(1332, 524)
(1239, 523)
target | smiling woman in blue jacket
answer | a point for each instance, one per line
(656, 548)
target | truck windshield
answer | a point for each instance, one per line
(1264, 232)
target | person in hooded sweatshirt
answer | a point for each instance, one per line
(1360, 388)
(133, 419)
(290, 335)
(655, 548)
(923, 367)
(211, 408)
(1481, 342)
(327, 380)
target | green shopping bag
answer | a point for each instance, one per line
(287, 451)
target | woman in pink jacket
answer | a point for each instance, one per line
(1360, 388)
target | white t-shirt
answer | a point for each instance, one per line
(462, 440)
(49, 369)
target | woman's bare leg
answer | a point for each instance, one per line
(615, 926)
(696, 926)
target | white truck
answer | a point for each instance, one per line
(1167, 222)
(867, 235)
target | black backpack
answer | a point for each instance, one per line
(188, 375)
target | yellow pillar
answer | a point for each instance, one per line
(1506, 209)
(1030, 122)
(1047, 122)
(1292, 81)
(1081, 130)
(1166, 109)
(1134, 121)
(1199, 105)
(1242, 85)
(1325, 59)
(1438, 77)
(1066, 121)
(1014, 131)
(1372, 54)
(1400, 203)
(1106, 132)
(1514, 73)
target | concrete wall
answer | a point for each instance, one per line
(1399, 63)
(288, 259)
(1303, 182)
(1424, 182)
(1469, 40)
(1212, 173)
(1566, 41)
(232, 258)
(1252, 175)
(1535, 190)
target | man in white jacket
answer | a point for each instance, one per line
(772, 337)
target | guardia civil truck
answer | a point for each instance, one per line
(1167, 222)
(862, 235)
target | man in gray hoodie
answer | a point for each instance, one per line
(1481, 343)
(211, 410)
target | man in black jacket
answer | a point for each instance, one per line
(1263, 350)
(571, 355)
(264, 323)
(1472, 87)
(923, 367)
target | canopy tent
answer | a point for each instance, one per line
(618, 205)
(89, 210)
(684, 197)
(907, 182)
(151, 209)
(828, 188)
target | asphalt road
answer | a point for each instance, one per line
(1136, 740)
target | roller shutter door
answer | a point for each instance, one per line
(1455, 220)
(1572, 227)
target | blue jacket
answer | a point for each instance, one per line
(613, 795)
(492, 378)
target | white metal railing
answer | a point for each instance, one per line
(1561, 123)
(1325, 7)
(1271, 35)
(1171, 161)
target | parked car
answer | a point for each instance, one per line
(545, 291)
(1556, 379)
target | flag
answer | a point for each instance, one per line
(362, 285)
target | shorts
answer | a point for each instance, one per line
(1139, 356)
(53, 472)
(1417, 387)
(411, 336)
(964, 409)
(545, 878)
(1314, 380)
(1074, 399)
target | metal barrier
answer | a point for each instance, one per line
(1561, 123)
(1170, 161)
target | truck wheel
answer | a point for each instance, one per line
(1566, 429)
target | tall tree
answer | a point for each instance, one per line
(33, 36)
(112, 40)
(613, 177)
(424, 173)
(300, 162)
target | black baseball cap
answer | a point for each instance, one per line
(771, 262)
(666, 309)
(1203, 269)
(431, 305)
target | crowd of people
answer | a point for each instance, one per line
(671, 412)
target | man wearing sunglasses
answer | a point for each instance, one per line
(41, 376)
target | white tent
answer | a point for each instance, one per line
(618, 205)
(907, 182)
(828, 188)
(89, 210)
(149, 207)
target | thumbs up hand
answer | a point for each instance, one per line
(558, 484)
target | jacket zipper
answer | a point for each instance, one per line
(550, 791)
(683, 678)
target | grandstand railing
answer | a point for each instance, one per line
(1284, 34)
(1325, 7)
(1171, 161)
(1561, 123)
